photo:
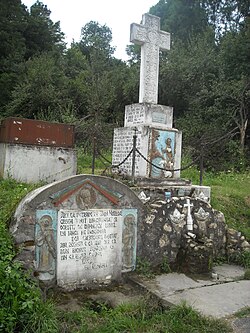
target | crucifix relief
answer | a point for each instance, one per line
(189, 216)
(151, 39)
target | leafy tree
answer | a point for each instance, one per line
(235, 50)
(76, 70)
(13, 22)
(41, 34)
(188, 72)
(23, 35)
(226, 15)
(181, 18)
(41, 90)
(96, 37)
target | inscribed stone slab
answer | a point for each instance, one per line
(89, 246)
(148, 115)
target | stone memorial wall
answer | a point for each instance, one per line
(79, 232)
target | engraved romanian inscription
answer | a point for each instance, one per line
(135, 114)
(122, 145)
(88, 243)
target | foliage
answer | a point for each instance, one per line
(96, 37)
(247, 274)
(182, 18)
(24, 35)
(243, 312)
(40, 90)
(41, 34)
(165, 267)
(241, 258)
(144, 268)
(144, 316)
(21, 306)
(13, 22)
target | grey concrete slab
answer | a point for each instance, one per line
(218, 297)
(168, 284)
(242, 325)
(219, 300)
(228, 272)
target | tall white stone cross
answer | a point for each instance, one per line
(151, 39)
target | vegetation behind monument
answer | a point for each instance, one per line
(205, 75)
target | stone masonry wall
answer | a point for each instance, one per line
(165, 235)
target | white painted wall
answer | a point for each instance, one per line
(31, 164)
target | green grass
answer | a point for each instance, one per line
(84, 162)
(231, 195)
(143, 317)
(243, 313)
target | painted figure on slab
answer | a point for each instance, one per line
(86, 198)
(128, 241)
(162, 155)
(45, 243)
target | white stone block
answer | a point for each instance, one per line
(31, 164)
(202, 192)
(149, 115)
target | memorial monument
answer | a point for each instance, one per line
(79, 232)
(157, 140)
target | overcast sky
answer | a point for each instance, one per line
(116, 14)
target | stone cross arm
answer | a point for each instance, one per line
(151, 39)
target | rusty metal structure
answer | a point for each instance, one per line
(36, 132)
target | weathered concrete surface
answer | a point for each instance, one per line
(32, 164)
(241, 325)
(219, 298)
(229, 272)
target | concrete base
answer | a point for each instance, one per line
(31, 164)
(162, 183)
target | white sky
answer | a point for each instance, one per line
(116, 14)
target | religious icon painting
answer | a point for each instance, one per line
(129, 239)
(45, 244)
(162, 153)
